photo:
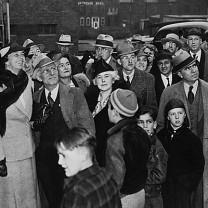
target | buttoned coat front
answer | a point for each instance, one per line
(74, 107)
(177, 91)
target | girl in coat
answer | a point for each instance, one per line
(185, 161)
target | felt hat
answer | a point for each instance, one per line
(65, 40)
(194, 31)
(172, 37)
(181, 61)
(104, 40)
(29, 43)
(100, 66)
(125, 48)
(124, 101)
(163, 54)
(137, 38)
(13, 47)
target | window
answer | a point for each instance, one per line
(88, 21)
(45, 29)
(82, 21)
(102, 21)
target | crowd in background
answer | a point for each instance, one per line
(125, 126)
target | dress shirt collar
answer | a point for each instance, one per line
(165, 81)
(130, 75)
(198, 55)
(195, 86)
(54, 93)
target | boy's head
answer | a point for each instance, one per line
(175, 113)
(75, 149)
(122, 103)
(146, 118)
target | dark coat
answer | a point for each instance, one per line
(159, 85)
(127, 153)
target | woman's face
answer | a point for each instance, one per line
(104, 81)
(64, 68)
(150, 54)
(142, 63)
(16, 60)
(176, 117)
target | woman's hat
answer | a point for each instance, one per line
(181, 61)
(124, 101)
(125, 48)
(100, 66)
(65, 40)
(13, 47)
(104, 40)
(173, 38)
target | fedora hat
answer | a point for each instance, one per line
(194, 31)
(104, 40)
(172, 37)
(163, 54)
(65, 40)
(29, 43)
(181, 61)
(124, 48)
(137, 38)
(13, 47)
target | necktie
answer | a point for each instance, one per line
(128, 82)
(195, 57)
(168, 82)
(50, 100)
(190, 95)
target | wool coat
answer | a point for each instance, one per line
(177, 91)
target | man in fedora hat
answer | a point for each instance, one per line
(140, 82)
(195, 38)
(193, 92)
(104, 48)
(165, 77)
(137, 41)
(57, 107)
(64, 45)
(172, 43)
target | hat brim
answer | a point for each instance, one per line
(165, 40)
(183, 65)
(128, 52)
(65, 44)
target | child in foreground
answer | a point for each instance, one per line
(157, 162)
(185, 161)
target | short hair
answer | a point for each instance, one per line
(77, 137)
(152, 111)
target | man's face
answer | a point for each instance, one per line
(171, 46)
(70, 160)
(150, 53)
(128, 62)
(165, 66)
(64, 68)
(103, 52)
(190, 73)
(35, 50)
(16, 60)
(194, 42)
(64, 48)
(49, 75)
(147, 123)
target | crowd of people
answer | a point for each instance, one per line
(125, 126)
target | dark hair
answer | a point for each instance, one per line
(152, 111)
(175, 103)
(66, 55)
(76, 137)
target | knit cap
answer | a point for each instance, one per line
(124, 101)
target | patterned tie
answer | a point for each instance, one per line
(168, 82)
(50, 100)
(128, 82)
(190, 95)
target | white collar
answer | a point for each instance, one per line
(130, 75)
(198, 55)
(54, 92)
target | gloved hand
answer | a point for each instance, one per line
(40, 121)
(3, 168)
